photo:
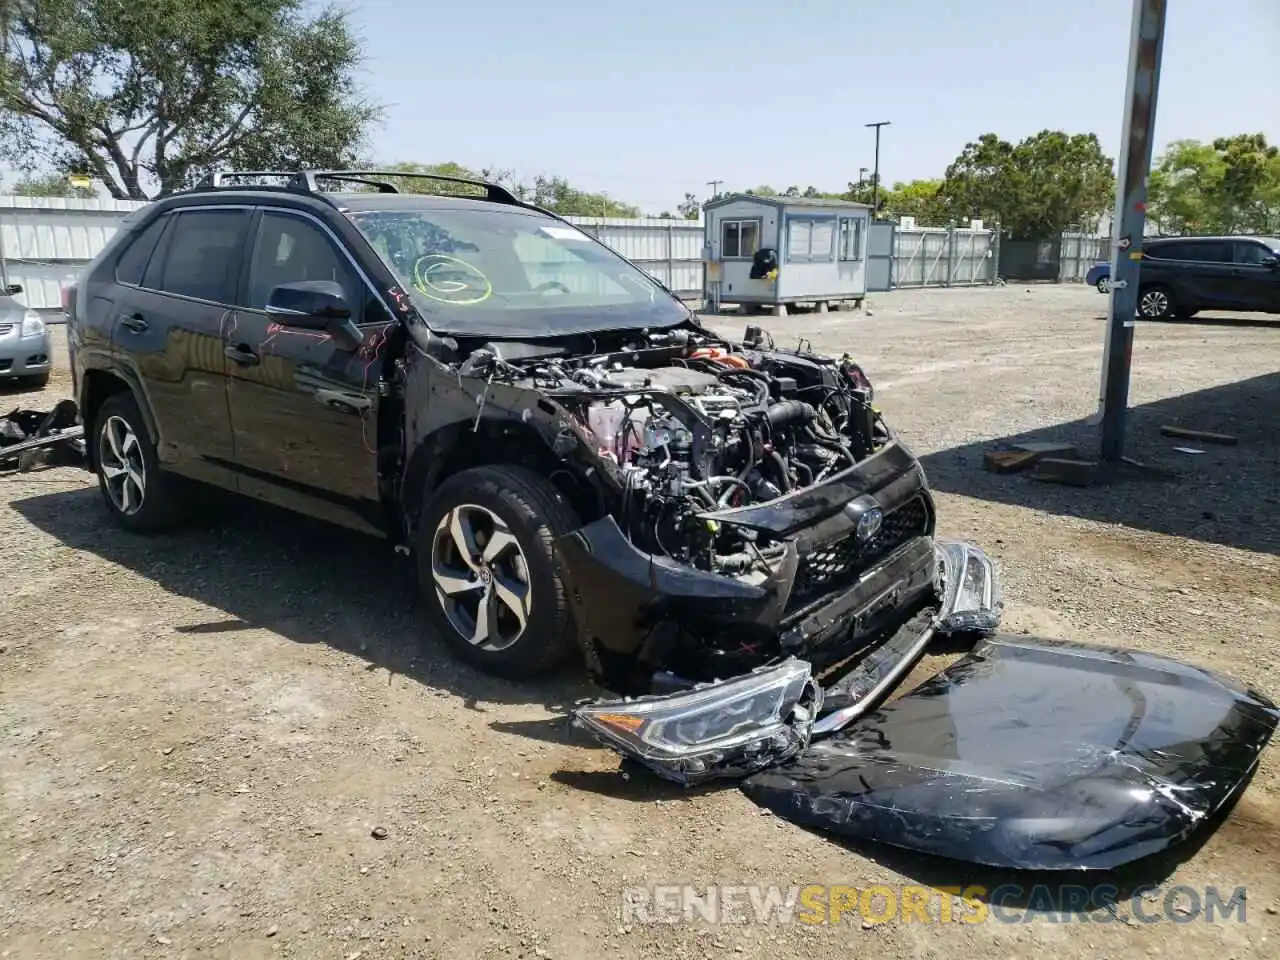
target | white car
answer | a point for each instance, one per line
(24, 341)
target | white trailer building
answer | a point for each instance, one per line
(818, 252)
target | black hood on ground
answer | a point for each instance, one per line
(1034, 754)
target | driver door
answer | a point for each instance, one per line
(304, 408)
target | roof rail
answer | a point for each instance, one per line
(306, 180)
(214, 180)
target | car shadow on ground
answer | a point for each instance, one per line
(1221, 494)
(310, 582)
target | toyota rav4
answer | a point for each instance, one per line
(574, 460)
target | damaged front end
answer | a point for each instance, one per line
(766, 731)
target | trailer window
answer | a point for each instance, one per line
(850, 238)
(739, 239)
(810, 239)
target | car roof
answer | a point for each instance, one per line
(1269, 241)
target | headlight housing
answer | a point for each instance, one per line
(725, 729)
(32, 325)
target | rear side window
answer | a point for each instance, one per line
(1168, 251)
(1252, 253)
(133, 261)
(1211, 251)
(202, 255)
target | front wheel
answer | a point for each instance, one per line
(489, 575)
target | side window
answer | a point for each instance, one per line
(809, 239)
(132, 263)
(1211, 251)
(850, 238)
(739, 239)
(289, 248)
(1254, 254)
(202, 255)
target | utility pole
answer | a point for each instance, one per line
(875, 177)
(715, 187)
(1146, 42)
(862, 175)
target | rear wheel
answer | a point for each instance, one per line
(140, 496)
(1103, 284)
(1156, 303)
(489, 576)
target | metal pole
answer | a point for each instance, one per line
(875, 176)
(715, 187)
(1145, 47)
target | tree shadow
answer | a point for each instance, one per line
(1222, 494)
(261, 567)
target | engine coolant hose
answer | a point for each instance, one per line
(785, 413)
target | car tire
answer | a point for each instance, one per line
(528, 625)
(1103, 284)
(139, 495)
(1156, 302)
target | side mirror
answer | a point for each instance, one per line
(314, 305)
(1272, 262)
(13, 289)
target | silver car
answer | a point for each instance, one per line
(24, 341)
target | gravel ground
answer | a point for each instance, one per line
(234, 741)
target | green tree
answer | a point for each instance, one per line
(1229, 186)
(555, 194)
(691, 208)
(1047, 183)
(148, 94)
(51, 185)
(448, 169)
(916, 198)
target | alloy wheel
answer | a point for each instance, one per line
(123, 468)
(481, 577)
(1154, 303)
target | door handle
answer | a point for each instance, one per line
(242, 354)
(134, 322)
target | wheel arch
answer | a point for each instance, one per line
(96, 386)
(491, 442)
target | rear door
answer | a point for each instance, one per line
(1210, 273)
(169, 329)
(304, 408)
(1257, 279)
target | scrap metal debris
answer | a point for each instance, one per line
(1204, 436)
(32, 438)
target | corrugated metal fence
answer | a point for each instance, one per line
(46, 241)
(943, 257)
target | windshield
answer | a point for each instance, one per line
(507, 272)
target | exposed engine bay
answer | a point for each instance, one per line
(690, 425)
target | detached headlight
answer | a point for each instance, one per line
(32, 325)
(726, 729)
(969, 590)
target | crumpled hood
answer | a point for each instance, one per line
(1034, 754)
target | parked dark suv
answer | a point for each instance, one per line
(570, 455)
(1181, 276)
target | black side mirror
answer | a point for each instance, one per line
(314, 305)
(1272, 262)
(13, 289)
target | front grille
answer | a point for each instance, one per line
(839, 564)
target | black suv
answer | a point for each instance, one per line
(1184, 275)
(569, 454)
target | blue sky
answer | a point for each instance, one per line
(648, 101)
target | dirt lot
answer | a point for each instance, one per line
(199, 733)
